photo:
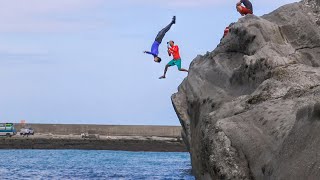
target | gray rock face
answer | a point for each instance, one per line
(251, 108)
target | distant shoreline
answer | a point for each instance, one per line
(125, 143)
(110, 137)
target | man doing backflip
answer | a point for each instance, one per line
(155, 46)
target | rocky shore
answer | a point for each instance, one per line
(250, 109)
(124, 143)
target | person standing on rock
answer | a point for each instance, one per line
(246, 9)
(155, 46)
(226, 31)
(173, 50)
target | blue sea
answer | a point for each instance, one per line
(91, 164)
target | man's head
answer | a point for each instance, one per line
(157, 59)
(171, 43)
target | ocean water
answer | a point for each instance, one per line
(91, 164)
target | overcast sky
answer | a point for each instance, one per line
(81, 61)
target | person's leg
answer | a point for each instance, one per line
(171, 63)
(163, 32)
(165, 72)
(178, 63)
(183, 70)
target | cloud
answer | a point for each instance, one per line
(182, 3)
(193, 3)
(15, 49)
(204, 3)
(72, 15)
(38, 15)
(21, 53)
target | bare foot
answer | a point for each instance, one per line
(162, 77)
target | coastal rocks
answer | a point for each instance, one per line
(122, 143)
(250, 109)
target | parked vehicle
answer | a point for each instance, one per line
(26, 131)
(90, 136)
(7, 129)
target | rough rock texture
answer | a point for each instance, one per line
(251, 108)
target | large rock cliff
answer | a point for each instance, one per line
(250, 109)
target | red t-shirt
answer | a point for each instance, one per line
(175, 52)
(226, 31)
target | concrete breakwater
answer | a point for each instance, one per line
(106, 130)
(111, 137)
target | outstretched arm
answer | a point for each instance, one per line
(147, 52)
